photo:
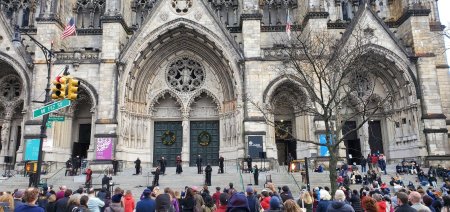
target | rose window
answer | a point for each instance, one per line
(185, 75)
(10, 88)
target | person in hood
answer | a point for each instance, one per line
(129, 202)
(275, 204)
(146, 204)
(30, 197)
(116, 205)
(339, 203)
(286, 194)
(163, 203)
(238, 203)
(325, 200)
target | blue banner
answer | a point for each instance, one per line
(255, 145)
(323, 149)
(32, 149)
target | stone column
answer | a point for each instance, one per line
(92, 145)
(185, 150)
(364, 139)
(5, 133)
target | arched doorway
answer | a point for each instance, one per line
(82, 124)
(168, 129)
(288, 121)
(204, 130)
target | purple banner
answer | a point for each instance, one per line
(103, 150)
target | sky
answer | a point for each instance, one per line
(444, 13)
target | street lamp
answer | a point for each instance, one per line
(48, 54)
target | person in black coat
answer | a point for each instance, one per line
(221, 160)
(69, 168)
(355, 201)
(61, 204)
(208, 171)
(156, 177)
(105, 182)
(137, 166)
(363, 164)
(115, 165)
(249, 163)
(198, 162)
(163, 164)
(256, 174)
(179, 168)
(403, 206)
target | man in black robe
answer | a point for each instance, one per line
(156, 177)
(256, 174)
(249, 163)
(137, 166)
(115, 165)
(221, 160)
(105, 182)
(162, 164)
(208, 171)
(198, 162)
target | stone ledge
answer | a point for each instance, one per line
(106, 121)
(254, 133)
(105, 135)
(434, 116)
(441, 130)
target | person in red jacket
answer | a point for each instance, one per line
(129, 202)
(216, 197)
(88, 177)
(265, 200)
(380, 202)
(375, 161)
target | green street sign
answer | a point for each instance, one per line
(56, 118)
(50, 108)
(48, 124)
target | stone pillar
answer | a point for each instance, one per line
(5, 133)
(185, 150)
(92, 145)
(433, 119)
(364, 139)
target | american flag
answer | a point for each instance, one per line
(288, 25)
(69, 30)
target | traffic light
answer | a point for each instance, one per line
(72, 89)
(59, 89)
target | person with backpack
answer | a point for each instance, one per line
(253, 202)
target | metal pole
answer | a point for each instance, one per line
(48, 54)
(307, 174)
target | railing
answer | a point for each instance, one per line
(238, 167)
(285, 168)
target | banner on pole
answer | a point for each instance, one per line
(32, 149)
(103, 150)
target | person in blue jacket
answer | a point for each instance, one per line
(146, 204)
(30, 197)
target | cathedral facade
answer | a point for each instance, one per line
(182, 77)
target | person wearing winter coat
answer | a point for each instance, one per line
(116, 205)
(355, 201)
(325, 200)
(129, 202)
(265, 200)
(380, 202)
(339, 204)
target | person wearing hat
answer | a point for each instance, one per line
(339, 203)
(238, 203)
(162, 203)
(18, 195)
(253, 202)
(115, 205)
(147, 204)
(275, 204)
(208, 171)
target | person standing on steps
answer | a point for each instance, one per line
(162, 164)
(208, 171)
(137, 166)
(156, 177)
(198, 162)
(256, 174)
(105, 181)
(179, 168)
(88, 177)
(249, 163)
(221, 160)
(115, 165)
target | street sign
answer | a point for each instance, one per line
(50, 108)
(56, 118)
(48, 124)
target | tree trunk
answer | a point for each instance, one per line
(333, 165)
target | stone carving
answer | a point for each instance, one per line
(181, 6)
(185, 75)
(164, 16)
(198, 16)
(10, 88)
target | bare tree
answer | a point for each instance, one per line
(339, 78)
